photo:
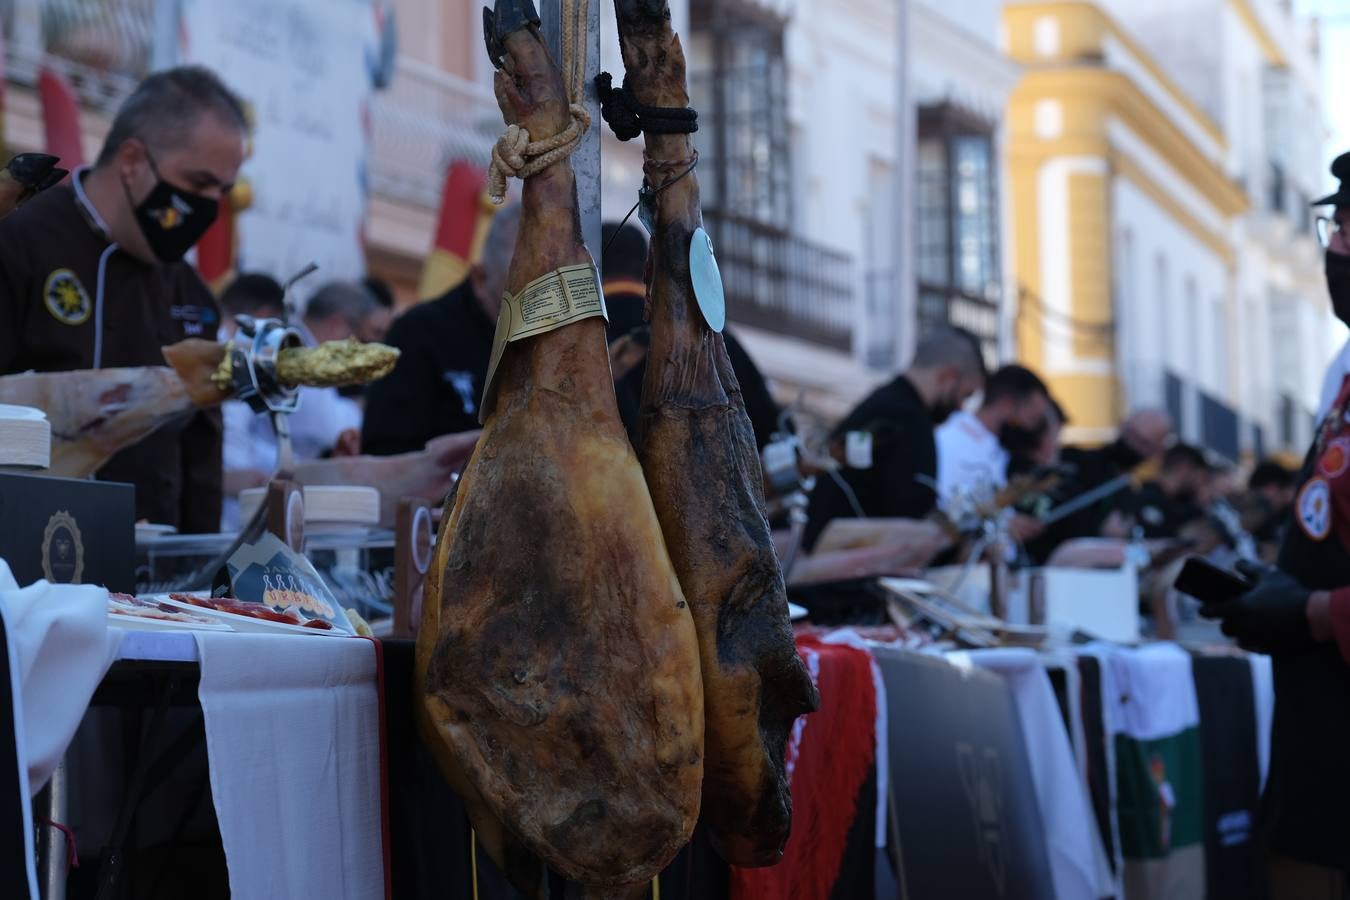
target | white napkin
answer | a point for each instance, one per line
(61, 637)
(293, 739)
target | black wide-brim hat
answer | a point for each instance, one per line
(1340, 168)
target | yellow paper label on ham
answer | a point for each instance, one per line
(551, 301)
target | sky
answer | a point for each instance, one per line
(1335, 16)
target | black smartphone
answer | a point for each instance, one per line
(1209, 583)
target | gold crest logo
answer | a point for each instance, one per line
(62, 549)
(66, 298)
(171, 216)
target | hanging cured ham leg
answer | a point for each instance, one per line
(557, 660)
(698, 453)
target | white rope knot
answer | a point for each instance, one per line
(516, 156)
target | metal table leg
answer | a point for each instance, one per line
(53, 849)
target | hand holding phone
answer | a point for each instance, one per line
(1209, 583)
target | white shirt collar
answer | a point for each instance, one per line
(77, 181)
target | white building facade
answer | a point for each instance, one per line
(799, 124)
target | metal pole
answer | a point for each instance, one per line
(54, 868)
(586, 159)
(905, 271)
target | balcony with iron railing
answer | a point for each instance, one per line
(782, 283)
(426, 118)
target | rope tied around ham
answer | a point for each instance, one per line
(628, 118)
(516, 154)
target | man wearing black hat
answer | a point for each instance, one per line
(1299, 613)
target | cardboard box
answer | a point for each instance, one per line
(67, 530)
(1102, 602)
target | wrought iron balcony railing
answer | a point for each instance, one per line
(782, 283)
(426, 118)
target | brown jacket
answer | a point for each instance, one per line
(70, 299)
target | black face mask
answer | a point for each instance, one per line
(171, 219)
(1020, 441)
(1338, 284)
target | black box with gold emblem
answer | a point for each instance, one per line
(68, 530)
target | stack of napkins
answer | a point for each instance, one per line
(25, 437)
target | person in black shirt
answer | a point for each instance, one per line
(625, 289)
(92, 274)
(1270, 496)
(445, 345)
(1163, 506)
(896, 422)
(1144, 436)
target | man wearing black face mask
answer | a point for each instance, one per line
(890, 466)
(973, 448)
(91, 274)
(1299, 613)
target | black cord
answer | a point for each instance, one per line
(628, 118)
(622, 223)
(643, 193)
(1031, 299)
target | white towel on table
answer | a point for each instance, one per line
(60, 634)
(292, 735)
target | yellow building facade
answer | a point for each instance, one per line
(1131, 213)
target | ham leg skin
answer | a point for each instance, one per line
(699, 456)
(97, 412)
(557, 662)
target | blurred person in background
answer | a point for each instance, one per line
(327, 423)
(1142, 439)
(892, 469)
(324, 424)
(1045, 451)
(1179, 495)
(445, 345)
(375, 326)
(1037, 458)
(1265, 514)
(338, 311)
(249, 453)
(92, 273)
(974, 448)
(1274, 484)
(625, 261)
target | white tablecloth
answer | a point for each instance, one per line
(293, 740)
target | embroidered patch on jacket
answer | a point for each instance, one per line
(66, 298)
(1314, 509)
